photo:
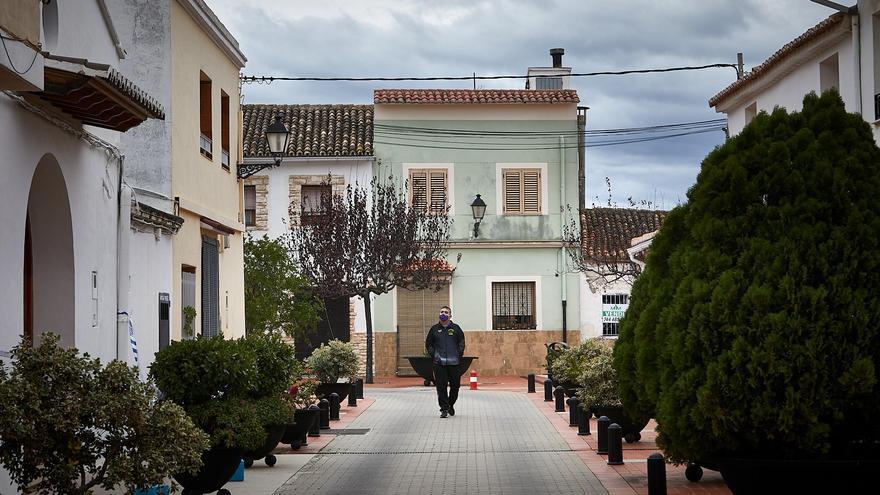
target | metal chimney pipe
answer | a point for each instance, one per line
(557, 54)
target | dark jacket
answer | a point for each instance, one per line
(445, 344)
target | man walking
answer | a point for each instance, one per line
(445, 344)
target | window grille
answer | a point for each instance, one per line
(513, 306)
(548, 83)
(250, 206)
(612, 328)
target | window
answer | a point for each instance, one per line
(313, 200)
(513, 306)
(613, 308)
(210, 287)
(250, 206)
(751, 112)
(224, 130)
(206, 146)
(521, 191)
(428, 185)
(548, 83)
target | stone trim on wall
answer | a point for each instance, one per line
(261, 187)
(296, 182)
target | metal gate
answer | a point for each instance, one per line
(417, 310)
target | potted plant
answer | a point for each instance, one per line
(752, 331)
(212, 379)
(331, 363)
(69, 424)
(598, 389)
(568, 365)
(554, 350)
(302, 394)
(276, 365)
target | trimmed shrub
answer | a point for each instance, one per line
(569, 365)
(334, 360)
(598, 378)
(754, 328)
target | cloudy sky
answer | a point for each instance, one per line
(391, 38)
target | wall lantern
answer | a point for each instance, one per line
(479, 209)
(277, 137)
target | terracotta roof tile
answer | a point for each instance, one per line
(315, 130)
(606, 232)
(775, 59)
(474, 96)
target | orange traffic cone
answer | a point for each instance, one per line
(473, 379)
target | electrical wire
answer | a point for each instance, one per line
(390, 129)
(270, 79)
(8, 56)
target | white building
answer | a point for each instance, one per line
(613, 243)
(842, 51)
(330, 147)
(63, 205)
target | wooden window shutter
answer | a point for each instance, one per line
(531, 191)
(418, 184)
(437, 187)
(512, 191)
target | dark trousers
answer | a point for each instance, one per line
(447, 376)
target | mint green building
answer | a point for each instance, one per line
(508, 282)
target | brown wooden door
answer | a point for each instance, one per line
(417, 310)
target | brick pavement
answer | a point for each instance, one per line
(497, 443)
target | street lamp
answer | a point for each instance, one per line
(277, 137)
(479, 209)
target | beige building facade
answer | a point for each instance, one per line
(207, 266)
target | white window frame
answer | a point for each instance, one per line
(450, 180)
(539, 315)
(499, 187)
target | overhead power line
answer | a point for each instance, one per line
(270, 79)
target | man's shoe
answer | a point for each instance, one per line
(451, 411)
(442, 414)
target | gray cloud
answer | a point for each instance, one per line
(429, 38)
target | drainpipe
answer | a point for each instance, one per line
(562, 275)
(122, 262)
(857, 60)
(582, 178)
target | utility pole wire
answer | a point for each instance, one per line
(270, 79)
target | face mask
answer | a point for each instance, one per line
(444, 316)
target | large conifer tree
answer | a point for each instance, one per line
(755, 328)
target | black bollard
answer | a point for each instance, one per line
(324, 417)
(531, 378)
(360, 385)
(615, 445)
(583, 420)
(315, 428)
(573, 411)
(352, 396)
(656, 474)
(603, 435)
(548, 390)
(560, 399)
(334, 407)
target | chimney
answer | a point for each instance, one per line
(557, 54)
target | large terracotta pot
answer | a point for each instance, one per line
(218, 466)
(302, 422)
(772, 476)
(424, 366)
(631, 430)
(325, 389)
(273, 436)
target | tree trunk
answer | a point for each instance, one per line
(369, 316)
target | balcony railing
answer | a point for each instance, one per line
(206, 146)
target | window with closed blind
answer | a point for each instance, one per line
(428, 189)
(250, 206)
(513, 306)
(521, 191)
(314, 200)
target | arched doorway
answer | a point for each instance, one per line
(48, 260)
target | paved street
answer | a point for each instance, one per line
(497, 443)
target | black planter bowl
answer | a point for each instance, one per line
(631, 430)
(801, 476)
(273, 436)
(218, 466)
(424, 366)
(302, 421)
(325, 389)
(569, 388)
